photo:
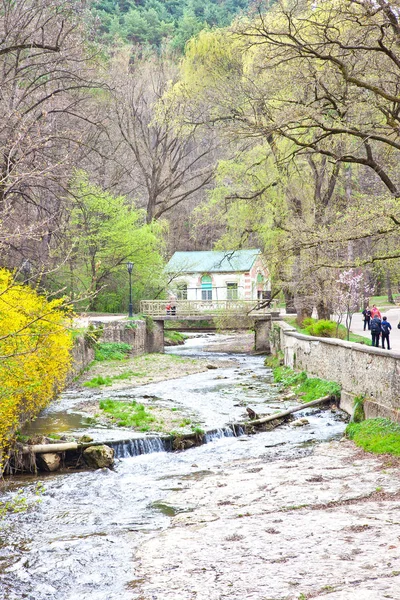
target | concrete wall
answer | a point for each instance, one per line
(360, 370)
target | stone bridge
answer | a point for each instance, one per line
(200, 310)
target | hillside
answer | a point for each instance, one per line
(155, 22)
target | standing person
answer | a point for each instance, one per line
(375, 311)
(367, 318)
(376, 330)
(386, 327)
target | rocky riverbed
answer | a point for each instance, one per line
(291, 514)
(324, 526)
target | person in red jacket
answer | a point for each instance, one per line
(375, 312)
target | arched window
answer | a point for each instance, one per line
(206, 287)
(260, 278)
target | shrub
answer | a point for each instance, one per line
(111, 351)
(34, 354)
(321, 328)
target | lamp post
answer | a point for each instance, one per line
(129, 266)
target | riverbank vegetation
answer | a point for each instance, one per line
(325, 328)
(35, 349)
(304, 387)
(149, 417)
(379, 436)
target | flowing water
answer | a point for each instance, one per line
(79, 536)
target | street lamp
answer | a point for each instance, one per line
(129, 266)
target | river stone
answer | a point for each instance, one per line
(300, 422)
(210, 366)
(48, 462)
(98, 457)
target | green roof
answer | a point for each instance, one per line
(218, 261)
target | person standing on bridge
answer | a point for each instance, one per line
(376, 330)
(386, 328)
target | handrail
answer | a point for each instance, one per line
(196, 308)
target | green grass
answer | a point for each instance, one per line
(127, 414)
(381, 300)
(98, 381)
(111, 351)
(322, 331)
(308, 388)
(108, 380)
(175, 336)
(379, 436)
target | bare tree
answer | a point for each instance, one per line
(164, 161)
(45, 82)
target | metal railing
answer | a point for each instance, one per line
(198, 308)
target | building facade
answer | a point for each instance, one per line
(219, 275)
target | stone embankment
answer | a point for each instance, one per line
(361, 370)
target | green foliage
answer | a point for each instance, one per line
(358, 414)
(311, 324)
(287, 377)
(175, 336)
(108, 380)
(274, 361)
(154, 22)
(308, 388)
(112, 351)
(379, 436)
(98, 381)
(320, 328)
(105, 232)
(127, 414)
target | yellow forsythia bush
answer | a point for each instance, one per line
(34, 354)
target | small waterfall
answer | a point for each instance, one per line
(215, 434)
(135, 447)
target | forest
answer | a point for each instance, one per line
(130, 130)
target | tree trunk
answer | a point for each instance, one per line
(289, 301)
(324, 309)
(389, 288)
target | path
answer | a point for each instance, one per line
(393, 316)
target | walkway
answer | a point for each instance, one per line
(393, 316)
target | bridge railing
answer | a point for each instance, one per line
(198, 308)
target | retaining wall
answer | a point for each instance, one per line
(360, 370)
(141, 336)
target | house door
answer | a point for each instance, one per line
(206, 288)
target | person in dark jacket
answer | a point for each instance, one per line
(386, 327)
(376, 330)
(367, 317)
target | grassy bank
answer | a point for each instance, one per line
(306, 388)
(379, 436)
(139, 417)
(326, 329)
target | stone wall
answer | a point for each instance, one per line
(141, 336)
(360, 370)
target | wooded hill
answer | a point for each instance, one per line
(155, 22)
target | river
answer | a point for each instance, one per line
(83, 531)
